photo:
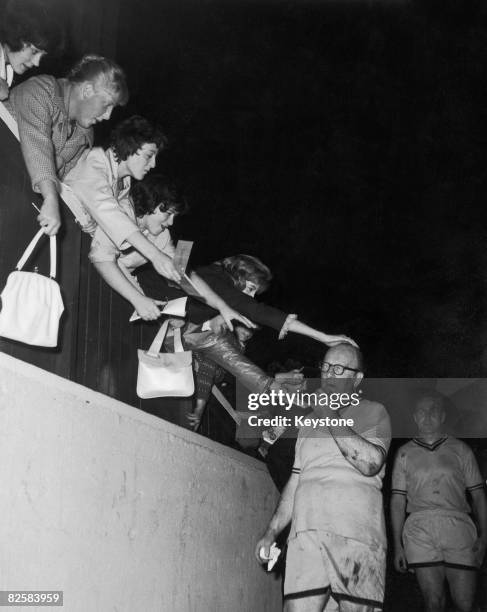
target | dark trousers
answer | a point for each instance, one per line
(222, 350)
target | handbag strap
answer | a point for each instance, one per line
(155, 347)
(28, 252)
(226, 404)
(178, 345)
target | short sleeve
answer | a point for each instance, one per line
(375, 425)
(297, 457)
(399, 473)
(473, 478)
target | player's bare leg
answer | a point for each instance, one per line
(431, 582)
(462, 585)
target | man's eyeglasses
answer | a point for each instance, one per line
(336, 368)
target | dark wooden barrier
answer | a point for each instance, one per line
(17, 226)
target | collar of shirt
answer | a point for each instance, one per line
(433, 446)
(120, 186)
(6, 70)
(61, 100)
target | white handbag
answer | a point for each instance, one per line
(165, 374)
(31, 303)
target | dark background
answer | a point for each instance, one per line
(342, 143)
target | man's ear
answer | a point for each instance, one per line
(87, 90)
(358, 379)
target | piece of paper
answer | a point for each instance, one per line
(188, 287)
(274, 555)
(173, 308)
(181, 255)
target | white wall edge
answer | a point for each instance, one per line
(125, 410)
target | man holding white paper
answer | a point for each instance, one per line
(337, 543)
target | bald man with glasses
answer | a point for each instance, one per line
(336, 554)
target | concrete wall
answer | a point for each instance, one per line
(122, 511)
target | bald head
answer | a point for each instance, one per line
(346, 354)
(341, 370)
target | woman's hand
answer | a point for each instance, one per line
(332, 340)
(194, 418)
(194, 421)
(292, 381)
(229, 315)
(147, 308)
(218, 325)
(49, 217)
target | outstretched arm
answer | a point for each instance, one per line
(262, 313)
(305, 330)
(162, 263)
(216, 302)
(146, 307)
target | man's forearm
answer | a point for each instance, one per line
(284, 511)
(479, 507)
(398, 514)
(366, 457)
(47, 189)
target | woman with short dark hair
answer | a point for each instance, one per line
(27, 33)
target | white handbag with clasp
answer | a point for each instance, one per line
(31, 303)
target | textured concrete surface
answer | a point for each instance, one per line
(122, 511)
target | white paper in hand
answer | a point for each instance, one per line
(274, 553)
(174, 308)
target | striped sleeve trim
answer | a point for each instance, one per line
(296, 470)
(475, 487)
(399, 491)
